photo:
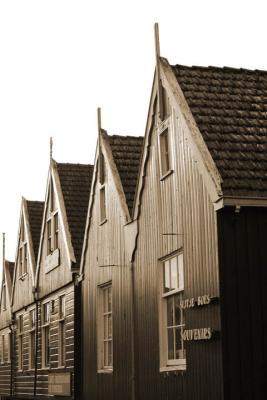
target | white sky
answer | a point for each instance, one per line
(60, 60)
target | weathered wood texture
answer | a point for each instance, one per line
(106, 246)
(5, 364)
(180, 207)
(24, 380)
(243, 280)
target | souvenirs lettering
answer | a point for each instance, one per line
(197, 334)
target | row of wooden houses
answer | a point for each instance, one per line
(143, 276)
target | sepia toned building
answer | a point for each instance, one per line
(143, 276)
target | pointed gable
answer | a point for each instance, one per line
(75, 182)
(127, 151)
(229, 106)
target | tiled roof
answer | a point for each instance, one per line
(230, 108)
(75, 180)
(127, 151)
(9, 265)
(35, 211)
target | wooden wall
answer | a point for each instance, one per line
(24, 380)
(180, 207)
(5, 366)
(106, 246)
(243, 277)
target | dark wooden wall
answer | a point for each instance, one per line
(243, 282)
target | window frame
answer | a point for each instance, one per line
(22, 252)
(167, 364)
(102, 339)
(164, 133)
(32, 339)
(46, 336)
(52, 222)
(20, 335)
(61, 331)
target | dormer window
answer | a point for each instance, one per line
(52, 223)
(23, 253)
(102, 188)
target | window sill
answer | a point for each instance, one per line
(170, 172)
(171, 368)
(103, 222)
(105, 371)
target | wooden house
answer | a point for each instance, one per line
(200, 259)
(23, 305)
(5, 327)
(57, 292)
(106, 271)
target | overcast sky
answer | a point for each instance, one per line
(60, 60)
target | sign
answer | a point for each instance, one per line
(197, 334)
(199, 301)
(59, 384)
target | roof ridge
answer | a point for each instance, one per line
(225, 68)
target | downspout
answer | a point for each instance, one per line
(133, 332)
(12, 341)
(36, 344)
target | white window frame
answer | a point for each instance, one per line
(104, 341)
(52, 222)
(22, 252)
(165, 363)
(20, 331)
(164, 129)
(32, 339)
(45, 334)
(62, 331)
(3, 349)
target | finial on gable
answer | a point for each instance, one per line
(51, 149)
(4, 248)
(159, 83)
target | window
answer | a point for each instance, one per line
(103, 215)
(101, 168)
(52, 222)
(45, 335)
(32, 351)
(164, 149)
(4, 296)
(23, 253)
(3, 349)
(20, 342)
(9, 344)
(105, 348)
(165, 106)
(172, 352)
(62, 331)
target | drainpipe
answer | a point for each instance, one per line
(133, 332)
(11, 345)
(36, 344)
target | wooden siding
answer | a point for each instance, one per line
(176, 213)
(106, 246)
(5, 365)
(243, 280)
(24, 380)
(23, 291)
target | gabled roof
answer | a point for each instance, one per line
(75, 182)
(230, 109)
(35, 212)
(127, 151)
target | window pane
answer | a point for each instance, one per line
(170, 344)
(178, 344)
(109, 299)
(170, 311)
(109, 326)
(105, 354)
(177, 310)
(167, 283)
(106, 326)
(181, 270)
(174, 273)
(110, 353)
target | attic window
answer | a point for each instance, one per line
(23, 253)
(101, 168)
(164, 103)
(164, 151)
(52, 222)
(102, 189)
(4, 296)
